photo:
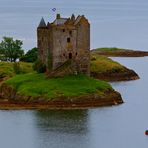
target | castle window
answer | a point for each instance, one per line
(70, 32)
(63, 30)
(76, 53)
(70, 55)
(68, 40)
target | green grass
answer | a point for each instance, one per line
(101, 64)
(34, 84)
(6, 68)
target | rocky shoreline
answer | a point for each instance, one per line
(12, 100)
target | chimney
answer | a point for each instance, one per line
(58, 16)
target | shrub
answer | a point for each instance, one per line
(39, 67)
(16, 67)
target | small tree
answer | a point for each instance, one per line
(10, 49)
(31, 55)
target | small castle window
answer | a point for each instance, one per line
(63, 30)
(70, 55)
(76, 53)
(70, 32)
(64, 54)
(68, 40)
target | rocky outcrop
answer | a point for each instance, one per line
(10, 99)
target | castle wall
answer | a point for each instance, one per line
(61, 47)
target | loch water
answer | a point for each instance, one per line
(114, 24)
(117, 126)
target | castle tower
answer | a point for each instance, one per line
(65, 39)
(42, 39)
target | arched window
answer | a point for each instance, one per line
(70, 55)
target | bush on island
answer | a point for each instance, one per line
(39, 67)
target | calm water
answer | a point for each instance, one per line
(121, 23)
(121, 126)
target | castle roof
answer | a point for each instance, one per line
(42, 23)
(63, 21)
(60, 21)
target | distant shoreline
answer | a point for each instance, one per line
(119, 52)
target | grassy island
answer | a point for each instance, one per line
(36, 85)
(29, 90)
(32, 90)
(111, 49)
(119, 52)
(104, 68)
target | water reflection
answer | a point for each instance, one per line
(67, 121)
(120, 126)
(60, 128)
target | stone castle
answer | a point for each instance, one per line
(64, 40)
